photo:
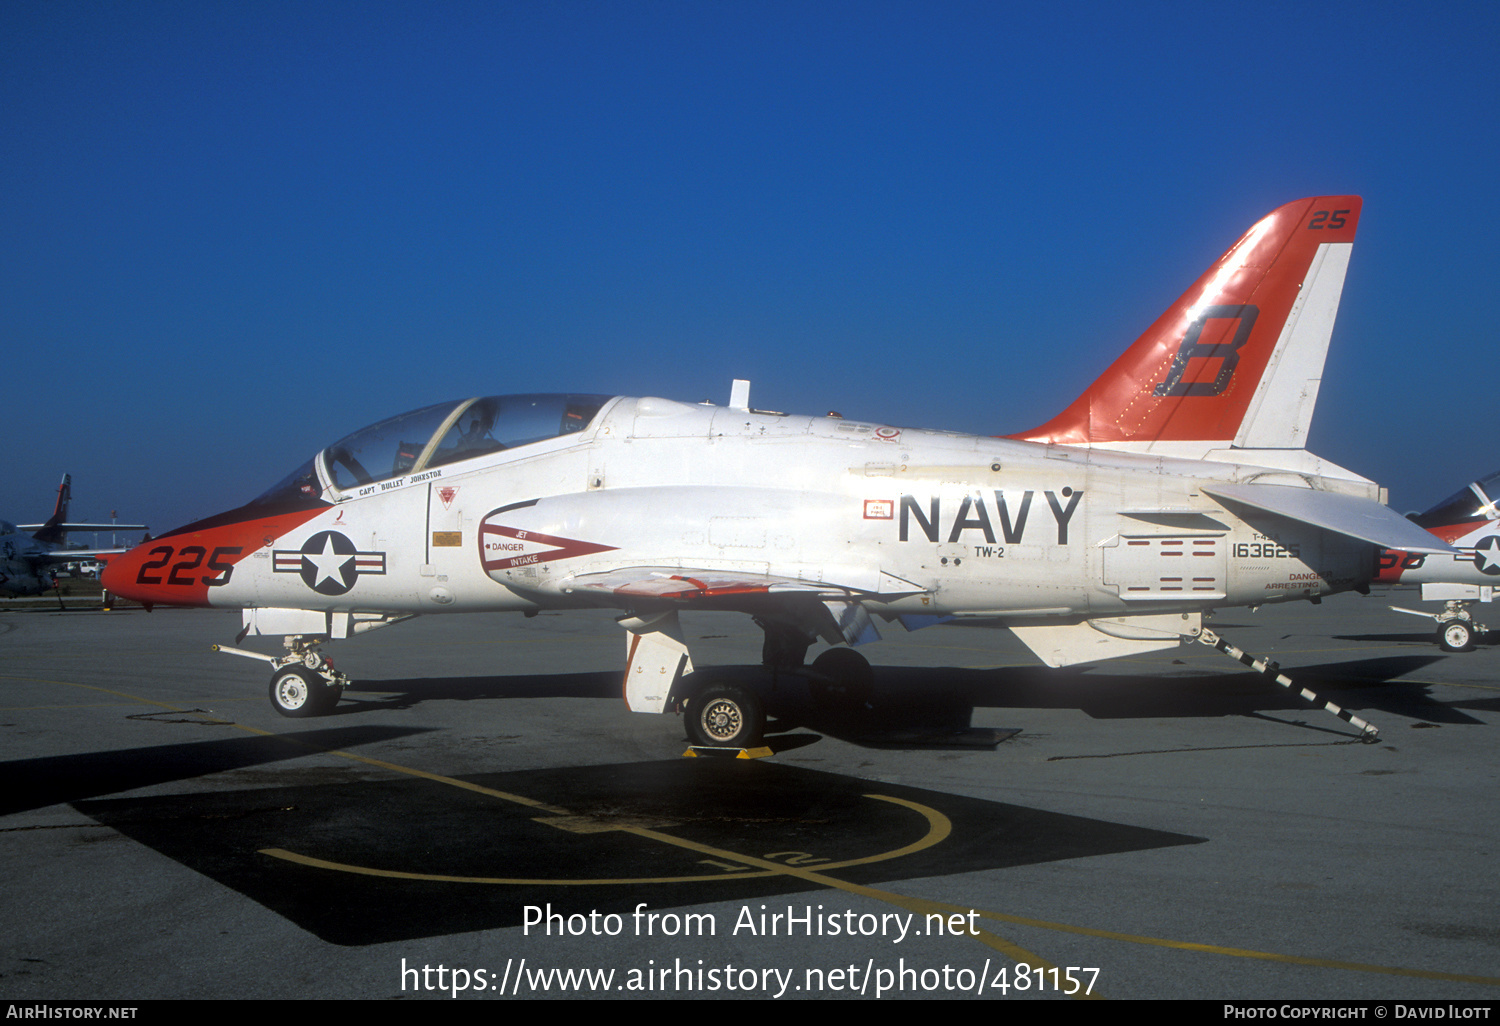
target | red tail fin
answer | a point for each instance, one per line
(52, 532)
(1237, 360)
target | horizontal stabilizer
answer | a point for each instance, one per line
(1348, 515)
(75, 555)
(101, 528)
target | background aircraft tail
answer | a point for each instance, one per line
(1463, 511)
(53, 532)
(1238, 359)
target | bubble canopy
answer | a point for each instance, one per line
(435, 436)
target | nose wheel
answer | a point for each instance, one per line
(1457, 630)
(298, 691)
(1456, 636)
(304, 682)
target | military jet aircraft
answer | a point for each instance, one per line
(1178, 483)
(1468, 521)
(28, 551)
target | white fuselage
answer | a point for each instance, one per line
(912, 522)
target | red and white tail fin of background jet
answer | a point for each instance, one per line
(1236, 362)
(54, 531)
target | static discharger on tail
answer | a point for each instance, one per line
(1176, 484)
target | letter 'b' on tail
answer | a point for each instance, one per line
(1238, 359)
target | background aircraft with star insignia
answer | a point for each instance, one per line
(1468, 521)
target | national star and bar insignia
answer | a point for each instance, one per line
(1487, 554)
(329, 562)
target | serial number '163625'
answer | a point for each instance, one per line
(1265, 550)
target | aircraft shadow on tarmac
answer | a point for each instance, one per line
(1367, 686)
(376, 861)
(932, 707)
(36, 783)
(1488, 640)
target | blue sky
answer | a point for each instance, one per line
(235, 232)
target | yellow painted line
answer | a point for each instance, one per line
(939, 827)
(917, 905)
(92, 687)
(75, 705)
(925, 907)
(1213, 949)
(401, 874)
(111, 705)
(920, 906)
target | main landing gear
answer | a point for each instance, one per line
(725, 716)
(840, 679)
(1456, 630)
(304, 682)
(731, 716)
(720, 714)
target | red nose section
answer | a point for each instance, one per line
(186, 567)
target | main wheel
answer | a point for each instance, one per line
(725, 716)
(1456, 636)
(850, 681)
(297, 691)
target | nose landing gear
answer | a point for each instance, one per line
(1456, 631)
(304, 682)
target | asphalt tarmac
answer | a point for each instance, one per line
(481, 818)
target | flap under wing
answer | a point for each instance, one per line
(1348, 515)
(829, 610)
(705, 588)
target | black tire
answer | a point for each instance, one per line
(1456, 636)
(725, 716)
(297, 692)
(850, 680)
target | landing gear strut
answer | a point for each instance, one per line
(841, 679)
(304, 682)
(785, 646)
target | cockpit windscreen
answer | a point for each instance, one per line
(435, 436)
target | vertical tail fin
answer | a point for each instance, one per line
(1238, 359)
(53, 532)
